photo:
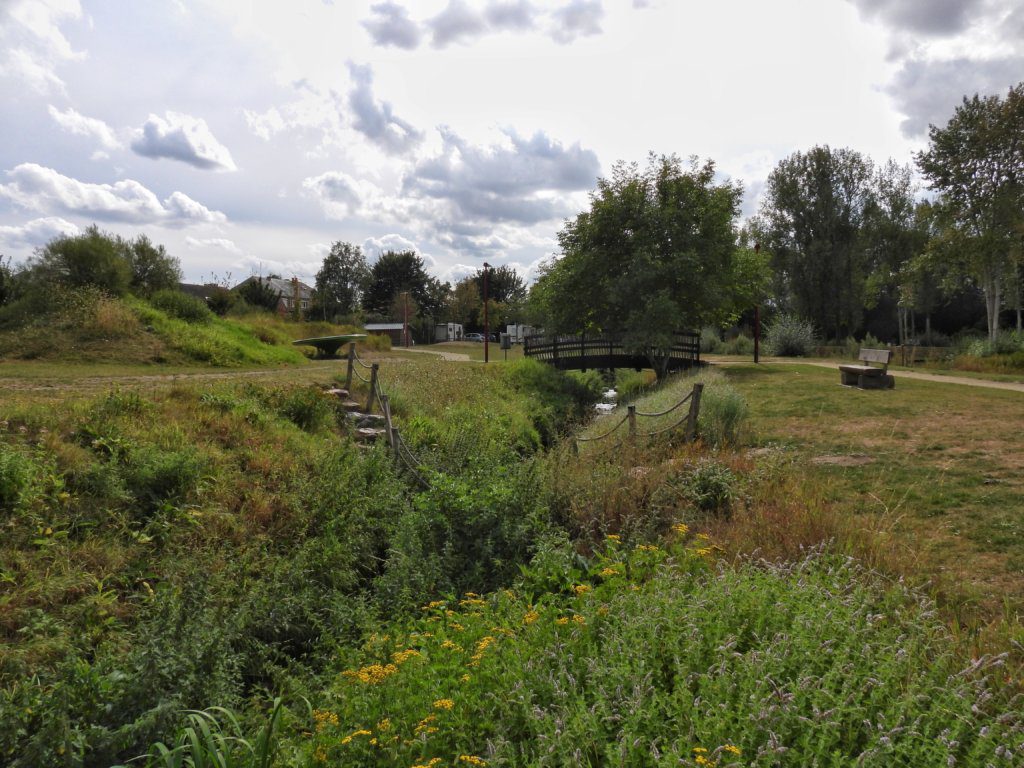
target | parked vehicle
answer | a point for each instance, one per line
(474, 337)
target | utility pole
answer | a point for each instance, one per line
(757, 321)
(487, 328)
(405, 316)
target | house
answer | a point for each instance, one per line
(202, 292)
(293, 292)
(392, 330)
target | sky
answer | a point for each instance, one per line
(246, 137)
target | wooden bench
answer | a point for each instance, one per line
(869, 376)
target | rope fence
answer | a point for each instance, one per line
(407, 461)
(689, 420)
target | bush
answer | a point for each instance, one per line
(741, 345)
(710, 340)
(711, 487)
(182, 306)
(789, 336)
(723, 414)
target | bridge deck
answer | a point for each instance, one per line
(587, 352)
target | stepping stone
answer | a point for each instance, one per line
(367, 434)
(337, 392)
(352, 406)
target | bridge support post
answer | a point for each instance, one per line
(351, 365)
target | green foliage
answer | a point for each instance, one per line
(559, 399)
(257, 292)
(738, 345)
(92, 258)
(340, 282)
(711, 487)
(181, 305)
(152, 268)
(724, 415)
(656, 253)
(510, 679)
(398, 271)
(789, 336)
(710, 340)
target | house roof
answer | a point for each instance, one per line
(281, 285)
(384, 326)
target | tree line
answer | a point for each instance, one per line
(838, 241)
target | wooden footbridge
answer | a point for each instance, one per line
(602, 351)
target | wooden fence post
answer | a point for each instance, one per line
(385, 405)
(373, 387)
(691, 420)
(351, 365)
(631, 417)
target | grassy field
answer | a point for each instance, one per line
(211, 537)
(939, 465)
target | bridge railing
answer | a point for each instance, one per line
(606, 351)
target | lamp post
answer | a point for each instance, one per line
(757, 321)
(487, 328)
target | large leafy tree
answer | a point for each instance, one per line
(976, 164)
(92, 258)
(813, 217)
(152, 268)
(655, 254)
(340, 281)
(398, 271)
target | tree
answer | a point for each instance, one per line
(813, 216)
(465, 303)
(976, 164)
(152, 268)
(397, 271)
(6, 280)
(340, 281)
(260, 293)
(655, 254)
(92, 258)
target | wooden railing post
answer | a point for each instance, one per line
(373, 387)
(691, 420)
(631, 417)
(351, 365)
(385, 406)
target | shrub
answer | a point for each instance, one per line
(740, 345)
(711, 487)
(723, 414)
(710, 340)
(182, 306)
(789, 336)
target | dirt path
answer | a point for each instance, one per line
(455, 357)
(941, 379)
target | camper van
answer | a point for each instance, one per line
(519, 332)
(448, 332)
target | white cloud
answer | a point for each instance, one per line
(43, 189)
(32, 42)
(341, 195)
(456, 23)
(222, 243)
(391, 26)
(934, 17)
(376, 119)
(79, 125)
(578, 18)
(184, 138)
(37, 231)
(373, 247)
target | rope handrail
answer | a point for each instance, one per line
(666, 412)
(665, 429)
(602, 437)
(360, 376)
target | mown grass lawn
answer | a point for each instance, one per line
(939, 463)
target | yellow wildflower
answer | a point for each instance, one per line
(700, 750)
(472, 760)
(429, 764)
(323, 718)
(562, 621)
(484, 644)
(614, 537)
(371, 674)
(608, 572)
(456, 626)
(581, 589)
(732, 748)
(320, 755)
(465, 678)
(432, 605)
(444, 704)
(647, 548)
(703, 551)
(701, 760)
(400, 657)
(681, 528)
(384, 725)
(450, 646)
(703, 537)
(471, 594)
(472, 601)
(360, 732)
(577, 619)
(530, 616)
(510, 594)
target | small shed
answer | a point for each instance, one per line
(448, 332)
(392, 330)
